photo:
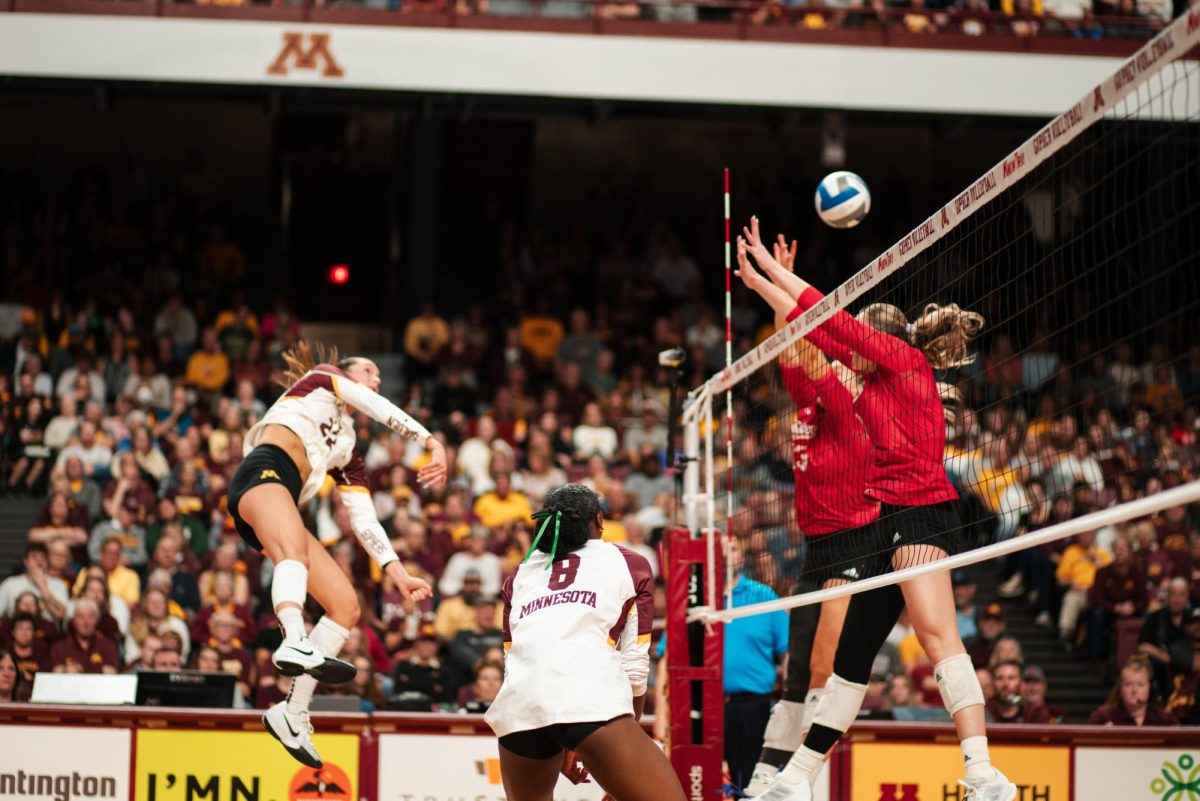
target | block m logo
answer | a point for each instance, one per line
(298, 57)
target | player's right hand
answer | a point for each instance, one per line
(433, 475)
(573, 769)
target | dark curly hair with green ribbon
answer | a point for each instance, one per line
(565, 520)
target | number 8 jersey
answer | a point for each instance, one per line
(576, 638)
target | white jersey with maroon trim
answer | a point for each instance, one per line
(577, 638)
(315, 410)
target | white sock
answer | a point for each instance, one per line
(769, 771)
(330, 637)
(292, 620)
(289, 585)
(975, 755)
(804, 764)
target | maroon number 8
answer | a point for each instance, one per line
(564, 572)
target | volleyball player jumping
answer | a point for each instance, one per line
(901, 407)
(577, 619)
(308, 434)
(831, 458)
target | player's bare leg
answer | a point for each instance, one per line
(528, 779)
(629, 765)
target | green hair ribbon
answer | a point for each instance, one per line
(545, 516)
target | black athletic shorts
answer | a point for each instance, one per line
(552, 740)
(850, 555)
(266, 464)
(936, 526)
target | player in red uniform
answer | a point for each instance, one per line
(901, 407)
(308, 434)
(832, 456)
(577, 619)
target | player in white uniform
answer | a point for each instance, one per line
(308, 434)
(577, 619)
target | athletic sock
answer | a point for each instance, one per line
(803, 765)
(292, 620)
(976, 758)
(301, 695)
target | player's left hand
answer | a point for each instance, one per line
(573, 769)
(411, 588)
(785, 254)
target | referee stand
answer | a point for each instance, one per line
(694, 654)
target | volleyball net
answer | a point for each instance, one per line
(1077, 410)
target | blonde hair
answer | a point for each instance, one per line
(303, 356)
(941, 332)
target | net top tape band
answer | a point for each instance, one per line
(1172, 43)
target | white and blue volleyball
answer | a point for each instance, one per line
(842, 199)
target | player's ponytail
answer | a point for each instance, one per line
(565, 521)
(943, 332)
(302, 357)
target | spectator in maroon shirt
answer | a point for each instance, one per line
(1131, 702)
(417, 546)
(1033, 690)
(223, 584)
(235, 658)
(1118, 593)
(1158, 565)
(1174, 537)
(32, 654)
(84, 649)
(1008, 705)
(129, 486)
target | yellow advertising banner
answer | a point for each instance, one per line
(241, 766)
(929, 772)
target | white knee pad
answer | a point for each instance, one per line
(810, 707)
(329, 636)
(839, 706)
(785, 729)
(958, 684)
(289, 584)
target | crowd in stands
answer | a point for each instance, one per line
(1079, 18)
(125, 394)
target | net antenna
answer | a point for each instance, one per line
(1153, 89)
(728, 402)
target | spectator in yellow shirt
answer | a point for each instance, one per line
(208, 368)
(1076, 573)
(123, 582)
(503, 504)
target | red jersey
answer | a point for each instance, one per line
(831, 456)
(899, 406)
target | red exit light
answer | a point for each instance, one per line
(339, 274)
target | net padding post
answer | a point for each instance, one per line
(694, 655)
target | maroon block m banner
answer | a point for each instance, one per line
(296, 55)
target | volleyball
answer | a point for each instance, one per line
(842, 199)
